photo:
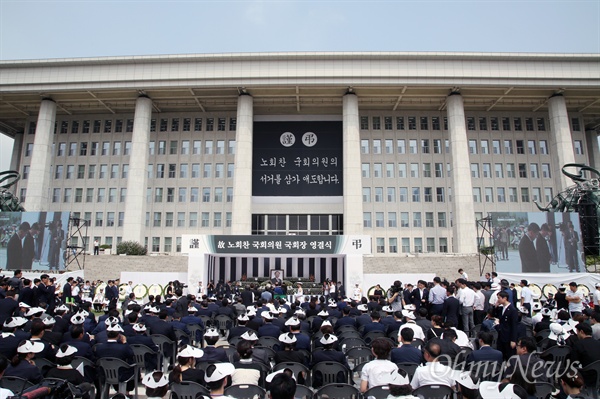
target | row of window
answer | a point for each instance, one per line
(403, 194)
(392, 246)
(208, 170)
(534, 171)
(175, 148)
(427, 146)
(108, 240)
(191, 221)
(126, 125)
(405, 221)
(481, 123)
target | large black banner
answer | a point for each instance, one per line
(297, 159)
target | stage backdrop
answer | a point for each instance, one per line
(42, 248)
(557, 248)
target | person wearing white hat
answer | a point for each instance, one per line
(497, 390)
(37, 332)
(544, 323)
(268, 329)
(156, 384)
(288, 352)
(217, 377)
(211, 352)
(185, 369)
(141, 338)
(409, 318)
(258, 354)
(282, 384)
(117, 346)
(247, 371)
(329, 354)
(22, 365)
(302, 339)
(64, 371)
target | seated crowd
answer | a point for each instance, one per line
(476, 337)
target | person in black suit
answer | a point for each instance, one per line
(450, 306)
(406, 353)
(27, 294)
(29, 247)
(14, 249)
(527, 251)
(420, 295)
(586, 350)
(117, 346)
(507, 327)
(328, 354)
(211, 353)
(485, 353)
(46, 292)
(544, 257)
(8, 306)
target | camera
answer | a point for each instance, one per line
(396, 287)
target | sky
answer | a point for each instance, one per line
(82, 28)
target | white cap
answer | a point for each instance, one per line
(410, 306)
(363, 308)
(249, 336)
(323, 313)
(61, 308)
(14, 322)
(30, 347)
(84, 313)
(326, 323)
(150, 382)
(522, 309)
(545, 312)
(292, 321)
(536, 306)
(300, 312)
(211, 332)
(243, 317)
(48, 321)
(139, 327)
(395, 378)
(68, 351)
(190, 351)
(491, 390)
(221, 371)
(109, 321)
(408, 314)
(153, 309)
(387, 309)
(287, 338)
(24, 305)
(267, 315)
(328, 339)
(270, 377)
(33, 311)
(464, 378)
(114, 327)
(77, 319)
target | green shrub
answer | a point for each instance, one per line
(131, 248)
(105, 246)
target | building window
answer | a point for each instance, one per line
(428, 219)
(518, 125)
(25, 174)
(193, 219)
(441, 219)
(414, 170)
(578, 147)
(472, 146)
(533, 170)
(399, 123)
(218, 194)
(168, 244)
(162, 147)
(524, 194)
(180, 219)
(67, 195)
(498, 170)
(485, 147)
(403, 194)
(443, 241)
(364, 123)
(183, 171)
(112, 194)
(376, 123)
(205, 219)
(512, 194)
(121, 220)
(546, 171)
(229, 195)
(418, 245)
(79, 195)
(376, 146)
(523, 170)
(427, 194)
(122, 194)
(99, 218)
(412, 146)
(220, 149)
(529, 124)
(208, 147)
(501, 194)
(155, 244)
(412, 123)
(58, 174)
(510, 170)
(389, 146)
(575, 124)
(476, 194)
(404, 219)
(367, 219)
(206, 194)
(198, 124)
(470, 123)
(405, 245)
(475, 170)
(379, 221)
(416, 194)
(380, 244)
(548, 194)
(393, 245)
(439, 194)
(401, 146)
(182, 194)
(424, 122)
(391, 194)
(89, 194)
(72, 149)
(489, 194)
(392, 222)
(366, 194)
(402, 170)
(486, 170)
(508, 147)
(377, 170)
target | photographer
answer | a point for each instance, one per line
(395, 297)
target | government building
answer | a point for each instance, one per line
(410, 149)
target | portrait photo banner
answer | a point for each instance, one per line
(537, 242)
(297, 159)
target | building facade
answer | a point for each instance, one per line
(150, 148)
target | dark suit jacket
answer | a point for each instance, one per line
(415, 298)
(406, 354)
(27, 295)
(507, 329)
(543, 254)
(450, 310)
(28, 252)
(14, 253)
(485, 354)
(8, 307)
(529, 262)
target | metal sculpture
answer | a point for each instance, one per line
(8, 201)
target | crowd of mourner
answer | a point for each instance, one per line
(479, 339)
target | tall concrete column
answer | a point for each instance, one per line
(15, 160)
(464, 230)
(40, 171)
(135, 202)
(561, 141)
(353, 206)
(593, 150)
(241, 217)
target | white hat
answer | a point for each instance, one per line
(114, 327)
(251, 312)
(363, 308)
(68, 351)
(139, 327)
(221, 371)
(109, 321)
(14, 322)
(128, 312)
(24, 305)
(323, 313)
(597, 285)
(33, 311)
(77, 319)
(536, 306)
(84, 313)
(153, 309)
(211, 332)
(300, 312)
(48, 321)
(190, 351)
(328, 339)
(464, 378)
(249, 336)
(270, 377)
(410, 306)
(395, 378)
(545, 312)
(150, 382)
(192, 308)
(287, 338)
(408, 314)
(387, 309)
(522, 309)
(243, 317)
(326, 323)
(332, 304)
(30, 347)
(267, 315)
(61, 308)
(292, 321)
(282, 310)
(491, 390)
